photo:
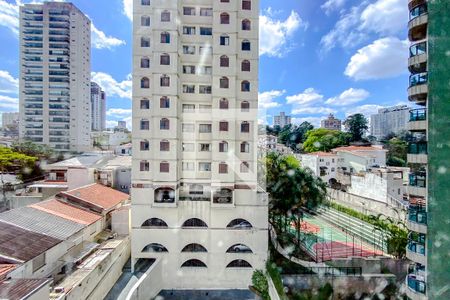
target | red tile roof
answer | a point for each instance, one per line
(67, 211)
(96, 195)
(5, 269)
(321, 153)
(17, 289)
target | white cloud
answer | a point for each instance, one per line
(100, 40)
(267, 99)
(310, 95)
(275, 34)
(367, 110)
(118, 112)
(347, 97)
(111, 86)
(360, 22)
(384, 58)
(9, 17)
(332, 5)
(8, 84)
(385, 16)
(313, 110)
(128, 8)
(8, 103)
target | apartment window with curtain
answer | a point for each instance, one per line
(164, 167)
(189, 11)
(223, 168)
(165, 16)
(245, 127)
(165, 59)
(224, 40)
(245, 106)
(164, 102)
(224, 18)
(145, 145)
(246, 24)
(165, 38)
(164, 145)
(145, 124)
(144, 166)
(224, 83)
(223, 146)
(145, 21)
(245, 147)
(246, 4)
(164, 124)
(224, 61)
(165, 81)
(223, 103)
(245, 66)
(145, 42)
(223, 126)
(145, 63)
(145, 104)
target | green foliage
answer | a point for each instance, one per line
(35, 150)
(12, 161)
(275, 274)
(397, 233)
(322, 139)
(291, 135)
(397, 152)
(356, 125)
(259, 281)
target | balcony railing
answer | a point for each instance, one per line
(416, 247)
(418, 79)
(416, 284)
(417, 215)
(418, 11)
(418, 179)
(417, 115)
(418, 49)
(418, 148)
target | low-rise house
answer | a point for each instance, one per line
(124, 149)
(354, 159)
(322, 164)
(116, 173)
(29, 289)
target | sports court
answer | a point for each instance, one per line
(323, 241)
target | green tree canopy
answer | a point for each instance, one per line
(13, 161)
(322, 139)
(357, 126)
(32, 149)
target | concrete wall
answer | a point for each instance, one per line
(377, 187)
(149, 285)
(42, 294)
(367, 205)
(120, 220)
(345, 285)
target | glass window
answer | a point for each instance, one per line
(145, 42)
(189, 30)
(223, 103)
(223, 126)
(144, 166)
(205, 128)
(246, 24)
(145, 83)
(224, 61)
(223, 146)
(223, 168)
(164, 167)
(204, 166)
(245, 86)
(188, 49)
(164, 102)
(145, 104)
(188, 88)
(145, 62)
(224, 40)
(188, 69)
(205, 31)
(164, 124)
(144, 145)
(145, 21)
(188, 166)
(145, 2)
(245, 166)
(245, 147)
(165, 16)
(246, 4)
(224, 83)
(164, 145)
(246, 45)
(245, 66)
(145, 124)
(224, 18)
(205, 147)
(165, 59)
(245, 127)
(205, 89)
(165, 38)
(164, 80)
(189, 11)
(189, 108)
(206, 12)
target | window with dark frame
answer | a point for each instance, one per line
(223, 126)
(164, 167)
(223, 168)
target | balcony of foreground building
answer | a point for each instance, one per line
(418, 20)
(418, 57)
(417, 216)
(416, 249)
(416, 287)
(418, 184)
(418, 88)
(418, 152)
(418, 120)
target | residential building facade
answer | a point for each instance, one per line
(10, 118)
(98, 107)
(322, 164)
(54, 84)
(428, 151)
(331, 123)
(195, 199)
(281, 120)
(389, 120)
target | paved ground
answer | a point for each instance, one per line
(330, 242)
(206, 295)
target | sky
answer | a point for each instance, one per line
(316, 56)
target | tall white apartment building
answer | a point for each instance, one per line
(98, 108)
(389, 120)
(54, 99)
(195, 200)
(281, 120)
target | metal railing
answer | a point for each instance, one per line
(418, 148)
(417, 115)
(416, 284)
(418, 179)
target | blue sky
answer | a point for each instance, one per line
(316, 56)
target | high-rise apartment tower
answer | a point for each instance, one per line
(98, 107)
(54, 96)
(429, 190)
(195, 200)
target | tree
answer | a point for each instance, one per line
(11, 161)
(356, 125)
(35, 150)
(322, 139)
(397, 152)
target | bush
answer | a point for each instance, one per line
(274, 273)
(260, 283)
